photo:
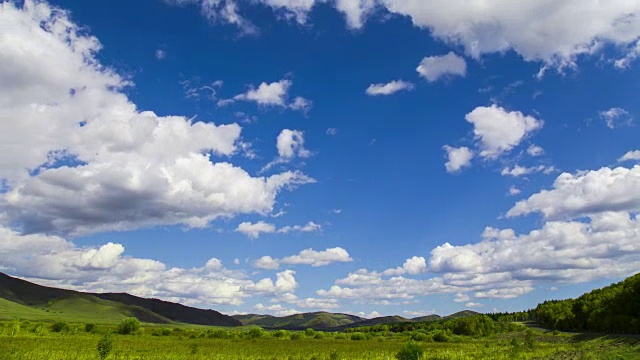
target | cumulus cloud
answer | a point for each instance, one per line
(499, 130)
(306, 257)
(55, 261)
(518, 170)
(535, 150)
(416, 265)
(82, 158)
(290, 144)
(254, 230)
(495, 26)
(308, 227)
(434, 68)
(513, 191)
(388, 88)
(271, 94)
(585, 193)
(457, 158)
(633, 155)
(616, 117)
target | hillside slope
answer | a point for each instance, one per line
(174, 311)
(24, 299)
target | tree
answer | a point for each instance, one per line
(129, 326)
(104, 346)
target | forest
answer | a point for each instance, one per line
(614, 309)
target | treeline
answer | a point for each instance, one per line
(613, 309)
(477, 325)
(512, 316)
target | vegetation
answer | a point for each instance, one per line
(614, 309)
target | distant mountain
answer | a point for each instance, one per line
(173, 311)
(315, 320)
(432, 317)
(28, 300)
(463, 313)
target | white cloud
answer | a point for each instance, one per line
(271, 94)
(501, 25)
(416, 265)
(633, 155)
(616, 117)
(457, 158)
(389, 88)
(290, 144)
(498, 130)
(535, 150)
(606, 246)
(331, 131)
(318, 258)
(308, 227)
(276, 309)
(267, 263)
(518, 170)
(555, 33)
(460, 297)
(55, 261)
(254, 230)
(513, 191)
(585, 193)
(123, 168)
(433, 68)
(306, 257)
(473, 305)
(355, 11)
(161, 54)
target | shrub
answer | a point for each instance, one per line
(104, 346)
(255, 333)
(410, 351)
(90, 327)
(440, 336)
(421, 337)
(296, 336)
(129, 326)
(309, 332)
(60, 326)
(358, 336)
(281, 334)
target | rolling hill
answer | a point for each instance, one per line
(26, 300)
(316, 320)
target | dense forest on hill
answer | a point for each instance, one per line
(614, 309)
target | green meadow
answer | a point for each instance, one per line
(33, 340)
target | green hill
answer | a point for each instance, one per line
(26, 300)
(427, 318)
(463, 313)
(315, 320)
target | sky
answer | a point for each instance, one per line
(371, 157)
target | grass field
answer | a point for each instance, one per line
(25, 340)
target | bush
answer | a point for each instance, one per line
(60, 326)
(358, 336)
(440, 336)
(90, 327)
(410, 351)
(129, 326)
(104, 346)
(255, 333)
(421, 337)
(296, 336)
(309, 332)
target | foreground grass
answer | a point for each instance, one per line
(35, 341)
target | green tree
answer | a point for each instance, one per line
(105, 344)
(129, 326)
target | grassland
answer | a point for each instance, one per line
(27, 340)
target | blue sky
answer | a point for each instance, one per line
(274, 156)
